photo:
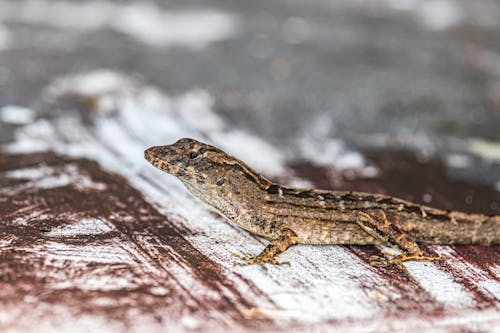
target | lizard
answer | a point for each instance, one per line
(287, 216)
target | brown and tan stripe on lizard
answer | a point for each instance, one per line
(287, 216)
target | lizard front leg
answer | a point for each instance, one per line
(377, 225)
(279, 245)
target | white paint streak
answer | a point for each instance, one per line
(489, 150)
(15, 114)
(33, 215)
(252, 149)
(316, 145)
(148, 23)
(30, 173)
(106, 254)
(468, 271)
(144, 21)
(493, 287)
(96, 83)
(84, 226)
(331, 273)
(196, 108)
(32, 137)
(458, 160)
(439, 14)
(45, 177)
(158, 119)
(22, 318)
(100, 282)
(190, 323)
(440, 285)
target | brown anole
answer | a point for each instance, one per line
(287, 216)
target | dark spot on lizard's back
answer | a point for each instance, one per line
(350, 197)
(329, 196)
(289, 191)
(441, 217)
(307, 194)
(367, 198)
(250, 177)
(240, 168)
(220, 182)
(413, 209)
(273, 189)
(386, 201)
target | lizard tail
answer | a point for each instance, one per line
(461, 228)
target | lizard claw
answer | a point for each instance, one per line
(399, 260)
(245, 256)
(250, 259)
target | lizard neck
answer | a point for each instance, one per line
(236, 192)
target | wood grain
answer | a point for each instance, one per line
(91, 235)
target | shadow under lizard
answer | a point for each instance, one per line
(288, 216)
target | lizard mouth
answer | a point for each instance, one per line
(151, 154)
(163, 158)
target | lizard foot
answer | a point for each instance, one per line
(249, 259)
(398, 260)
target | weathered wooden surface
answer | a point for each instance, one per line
(92, 238)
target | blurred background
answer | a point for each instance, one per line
(392, 96)
(326, 82)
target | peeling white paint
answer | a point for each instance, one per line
(316, 145)
(252, 149)
(440, 285)
(106, 254)
(45, 178)
(15, 114)
(489, 150)
(97, 83)
(458, 160)
(30, 173)
(84, 226)
(493, 287)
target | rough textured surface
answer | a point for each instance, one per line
(390, 97)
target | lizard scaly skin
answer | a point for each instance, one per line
(288, 216)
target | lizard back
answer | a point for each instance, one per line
(323, 213)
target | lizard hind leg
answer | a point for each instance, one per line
(268, 255)
(377, 225)
(401, 258)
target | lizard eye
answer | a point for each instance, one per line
(193, 154)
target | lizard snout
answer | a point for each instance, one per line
(157, 156)
(163, 157)
(148, 153)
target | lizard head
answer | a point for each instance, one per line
(189, 160)
(209, 173)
